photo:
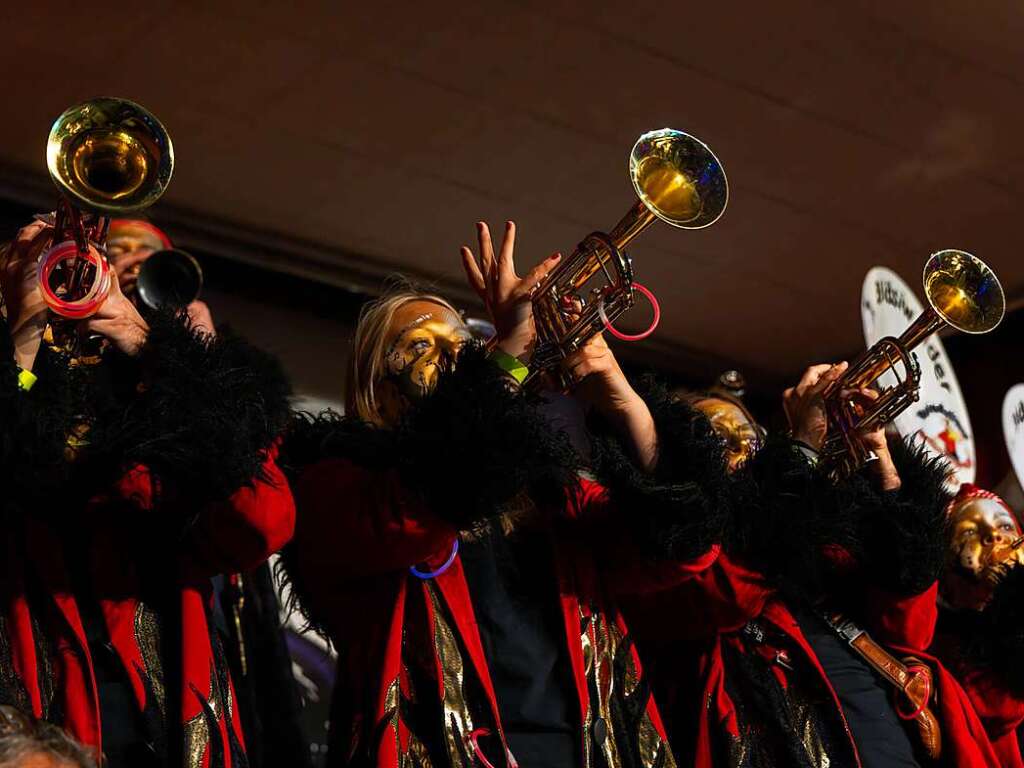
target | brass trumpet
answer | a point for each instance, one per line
(963, 293)
(107, 157)
(679, 180)
(171, 278)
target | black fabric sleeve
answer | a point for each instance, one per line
(201, 415)
(468, 449)
(903, 533)
(679, 509)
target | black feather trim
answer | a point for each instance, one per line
(202, 415)
(34, 426)
(469, 448)
(904, 533)
(786, 518)
(992, 640)
(679, 509)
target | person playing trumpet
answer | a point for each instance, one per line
(980, 631)
(448, 546)
(126, 486)
(766, 678)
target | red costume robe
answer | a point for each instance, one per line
(173, 481)
(365, 518)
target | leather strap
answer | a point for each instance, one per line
(914, 682)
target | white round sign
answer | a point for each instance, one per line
(939, 418)
(1013, 428)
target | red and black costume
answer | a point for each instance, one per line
(985, 651)
(126, 486)
(419, 680)
(763, 680)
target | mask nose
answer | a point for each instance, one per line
(447, 351)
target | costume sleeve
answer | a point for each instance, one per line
(721, 598)
(903, 533)
(242, 531)
(677, 512)
(33, 428)
(898, 621)
(10, 404)
(626, 562)
(201, 416)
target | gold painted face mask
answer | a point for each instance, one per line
(981, 550)
(742, 436)
(424, 339)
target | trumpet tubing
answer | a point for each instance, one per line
(963, 293)
(678, 180)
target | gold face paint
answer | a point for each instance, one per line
(742, 436)
(124, 247)
(981, 548)
(424, 339)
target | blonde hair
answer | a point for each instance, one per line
(366, 365)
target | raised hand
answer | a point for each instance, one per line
(19, 286)
(119, 320)
(805, 403)
(600, 382)
(875, 440)
(505, 294)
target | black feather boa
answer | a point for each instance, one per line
(199, 412)
(34, 425)
(786, 517)
(469, 449)
(992, 639)
(679, 510)
(903, 534)
(790, 521)
(201, 416)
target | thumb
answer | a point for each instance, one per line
(115, 284)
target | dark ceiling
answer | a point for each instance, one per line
(344, 141)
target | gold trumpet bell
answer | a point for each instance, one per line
(678, 179)
(964, 291)
(107, 157)
(110, 156)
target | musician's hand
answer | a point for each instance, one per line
(875, 440)
(506, 295)
(600, 382)
(805, 403)
(119, 320)
(19, 286)
(200, 318)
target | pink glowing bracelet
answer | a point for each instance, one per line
(632, 336)
(93, 298)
